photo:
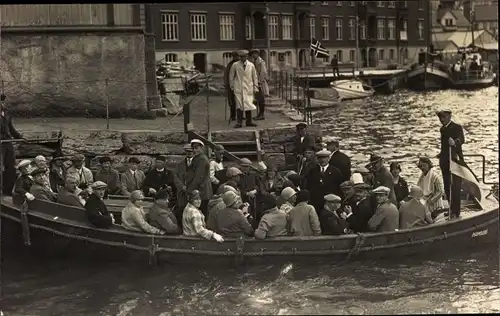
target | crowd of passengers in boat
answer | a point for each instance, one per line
(201, 197)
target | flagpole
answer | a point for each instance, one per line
(451, 179)
(268, 38)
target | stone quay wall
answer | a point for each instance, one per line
(74, 74)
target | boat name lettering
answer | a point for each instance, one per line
(479, 233)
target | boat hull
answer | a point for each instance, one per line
(473, 84)
(428, 78)
(50, 234)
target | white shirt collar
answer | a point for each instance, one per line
(448, 124)
(161, 170)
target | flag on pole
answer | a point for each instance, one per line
(318, 50)
(470, 183)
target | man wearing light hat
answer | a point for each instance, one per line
(386, 217)
(78, 171)
(323, 179)
(230, 93)
(96, 209)
(331, 221)
(232, 220)
(23, 183)
(413, 213)
(260, 67)
(452, 139)
(180, 174)
(382, 176)
(289, 196)
(198, 175)
(245, 84)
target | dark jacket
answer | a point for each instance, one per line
(361, 214)
(401, 190)
(301, 146)
(157, 180)
(383, 177)
(97, 212)
(320, 184)
(226, 73)
(332, 223)
(68, 198)
(162, 217)
(21, 187)
(56, 178)
(343, 163)
(456, 132)
(7, 129)
(111, 178)
(43, 193)
(231, 222)
(179, 175)
(215, 205)
(198, 176)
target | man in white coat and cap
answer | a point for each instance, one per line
(243, 81)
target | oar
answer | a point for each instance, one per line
(30, 141)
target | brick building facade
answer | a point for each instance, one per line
(203, 35)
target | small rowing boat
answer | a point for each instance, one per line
(351, 89)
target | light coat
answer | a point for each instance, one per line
(262, 76)
(303, 221)
(244, 83)
(131, 182)
(82, 176)
(134, 219)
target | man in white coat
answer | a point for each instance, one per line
(243, 81)
(260, 67)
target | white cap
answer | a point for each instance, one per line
(23, 163)
(40, 158)
(356, 178)
(287, 193)
(197, 141)
(381, 190)
(323, 153)
(332, 198)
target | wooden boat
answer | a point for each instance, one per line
(45, 222)
(351, 89)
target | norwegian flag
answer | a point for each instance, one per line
(318, 50)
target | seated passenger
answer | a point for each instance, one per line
(68, 194)
(231, 221)
(193, 220)
(23, 183)
(78, 171)
(157, 178)
(400, 184)
(432, 186)
(57, 174)
(40, 162)
(233, 176)
(161, 215)
(97, 211)
(362, 209)
(273, 222)
(134, 217)
(40, 189)
(289, 196)
(330, 217)
(386, 217)
(303, 219)
(133, 178)
(216, 204)
(108, 175)
(413, 213)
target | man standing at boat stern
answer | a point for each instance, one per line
(198, 175)
(244, 83)
(452, 139)
(261, 68)
(230, 93)
(9, 158)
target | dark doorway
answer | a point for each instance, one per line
(302, 58)
(364, 59)
(259, 25)
(200, 62)
(372, 57)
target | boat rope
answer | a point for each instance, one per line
(360, 241)
(263, 251)
(25, 223)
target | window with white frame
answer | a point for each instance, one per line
(170, 58)
(338, 28)
(391, 54)
(420, 26)
(381, 54)
(273, 59)
(352, 3)
(352, 56)
(391, 4)
(391, 27)
(288, 58)
(198, 27)
(421, 4)
(312, 26)
(273, 27)
(380, 3)
(248, 28)
(405, 4)
(352, 29)
(362, 30)
(226, 25)
(170, 26)
(340, 56)
(448, 22)
(339, 3)
(325, 26)
(286, 25)
(226, 58)
(381, 29)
